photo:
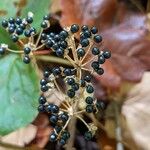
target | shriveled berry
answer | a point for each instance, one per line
(97, 38)
(95, 51)
(88, 135)
(89, 89)
(74, 28)
(26, 59)
(94, 30)
(107, 54)
(71, 93)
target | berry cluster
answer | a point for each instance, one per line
(78, 95)
(19, 27)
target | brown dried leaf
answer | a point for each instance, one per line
(87, 12)
(21, 137)
(137, 113)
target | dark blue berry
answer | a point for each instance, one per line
(62, 142)
(63, 44)
(70, 81)
(63, 34)
(53, 118)
(46, 73)
(44, 88)
(47, 17)
(43, 82)
(58, 129)
(11, 20)
(52, 34)
(32, 30)
(88, 135)
(97, 38)
(64, 117)
(43, 36)
(82, 83)
(19, 31)
(101, 59)
(84, 42)
(95, 65)
(89, 100)
(14, 38)
(95, 51)
(56, 71)
(59, 52)
(44, 24)
(49, 108)
(18, 20)
(87, 34)
(41, 108)
(107, 54)
(27, 50)
(89, 89)
(75, 86)
(27, 33)
(100, 105)
(53, 137)
(5, 23)
(49, 43)
(89, 108)
(74, 28)
(22, 26)
(100, 71)
(81, 52)
(71, 93)
(11, 29)
(65, 135)
(56, 38)
(84, 28)
(2, 51)
(55, 46)
(88, 78)
(42, 100)
(55, 109)
(94, 30)
(26, 59)
(67, 72)
(29, 20)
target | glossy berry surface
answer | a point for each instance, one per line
(26, 59)
(74, 28)
(97, 38)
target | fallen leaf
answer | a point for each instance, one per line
(20, 137)
(137, 113)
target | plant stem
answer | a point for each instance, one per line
(148, 6)
(54, 60)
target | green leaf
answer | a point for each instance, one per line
(7, 9)
(18, 93)
(5, 38)
(39, 8)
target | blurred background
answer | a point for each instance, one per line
(125, 85)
